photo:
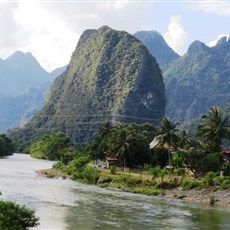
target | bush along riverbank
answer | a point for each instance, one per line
(211, 188)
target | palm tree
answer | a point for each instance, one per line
(214, 128)
(167, 135)
(185, 140)
(122, 144)
(106, 130)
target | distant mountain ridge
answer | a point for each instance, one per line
(157, 46)
(198, 80)
(23, 88)
(111, 76)
(19, 72)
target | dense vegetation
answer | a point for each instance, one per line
(6, 146)
(157, 46)
(16, 217)
(176, 150)
(197, 81)
(111, 76)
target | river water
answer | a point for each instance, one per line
(68, 205)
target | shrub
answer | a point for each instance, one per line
(225, 185)
(90, 174)
(81, 161)
(147, 191)
(180, 171)
(209, 179)
(113, 170)
(16, 217)
(128, 180)
(190, 184)
(226, 169)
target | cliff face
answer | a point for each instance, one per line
(111, 76)
(198, 80)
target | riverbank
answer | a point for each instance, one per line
(220, 198)
(210, 196)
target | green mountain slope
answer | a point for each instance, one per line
(198, 80)
(111, 76)
(158, 48)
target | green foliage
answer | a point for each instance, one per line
(16, 217)
(147, 191)
(225, 185)
(160, 156)
(130, 143)
(6, 146)
(177, 160)
(190, 184)
(52, 147)
(111, 75)
(215, 127)
(212, 162)
(226, 169)
(89, 174)
(158, 172)
(113, 169)
(209, 178)
(128, 180)
(197, 81)
(180, 172)
(81, 161)
(193, 160)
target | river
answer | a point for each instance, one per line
(68, 205)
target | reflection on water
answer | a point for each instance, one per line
(67, 205)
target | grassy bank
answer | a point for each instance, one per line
(210, 189)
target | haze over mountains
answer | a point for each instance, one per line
(23, 88)
(198, 80)
(112, 74)
(157, 46)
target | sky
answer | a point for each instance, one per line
(50, 29)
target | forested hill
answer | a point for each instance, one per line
(111, 76)
(158, 48)
(198, 80)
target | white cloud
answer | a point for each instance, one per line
(213, 43)
(50, 30)
(176, 36)
(117, 5)
(47, 34)
(219, 7)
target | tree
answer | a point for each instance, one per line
(106, 130)
(167, 135)
(159, 156)
(16, 217)
(6, 146)
(215, 127)
(122, 144)
(51, 146)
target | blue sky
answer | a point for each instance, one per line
(50, 29)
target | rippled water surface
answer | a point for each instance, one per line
(64, 204)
